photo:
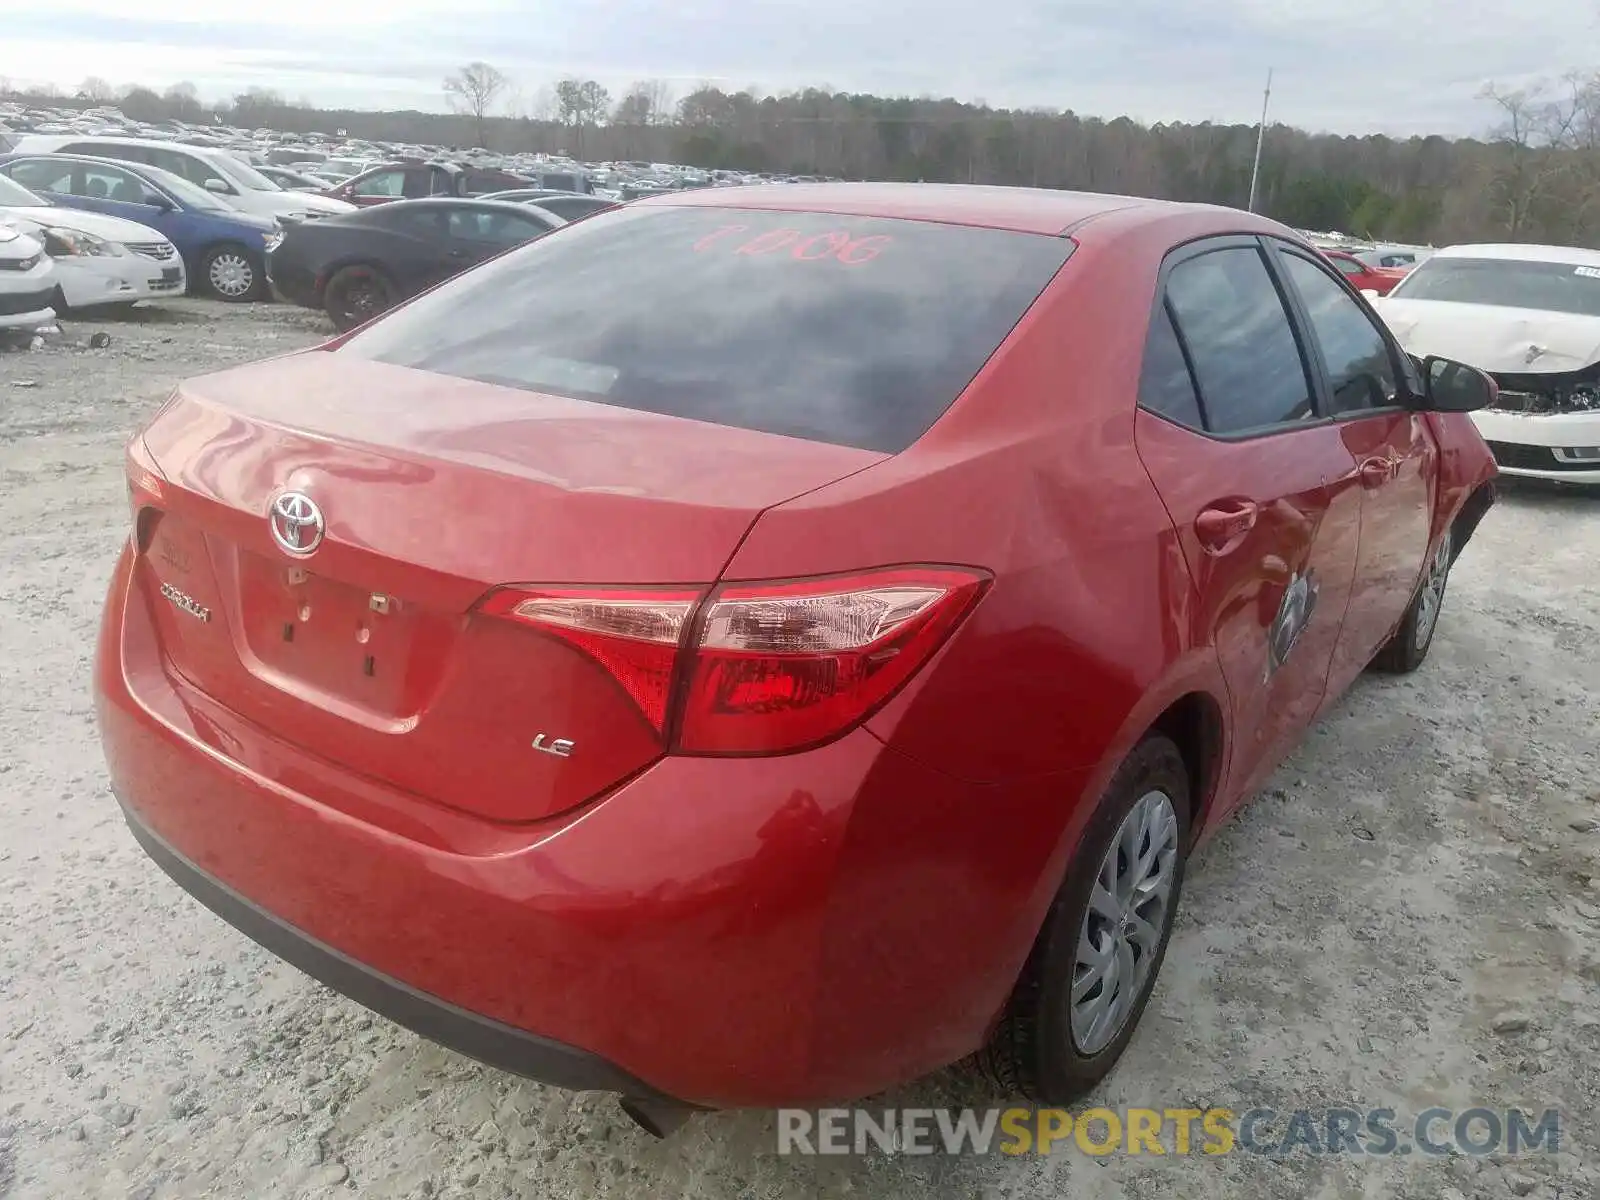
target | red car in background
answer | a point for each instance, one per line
(1364, 277)
(804, 655)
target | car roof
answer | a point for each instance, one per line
(1023, 210)
(1566, 255)
(97, 160)
(450, 202)
(63, 139)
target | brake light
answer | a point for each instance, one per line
(757, 668)
(632, 633)
(782, 666)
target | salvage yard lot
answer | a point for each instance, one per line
(1425, 868)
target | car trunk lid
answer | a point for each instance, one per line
(371, 651)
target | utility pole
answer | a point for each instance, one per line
(1261, 136)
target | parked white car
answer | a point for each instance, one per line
(27, 281)
(219, 172)
(99, 259)
(1530, 317)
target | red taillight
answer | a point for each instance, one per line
(781, 666)
(757, 668)
(632, 632)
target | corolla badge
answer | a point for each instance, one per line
(1294, 614)
(296, 523)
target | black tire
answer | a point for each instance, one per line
(232, 274)
(356, 294)
(1404, 652)
(1034, 1054)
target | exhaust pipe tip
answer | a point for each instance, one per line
(658, 1118)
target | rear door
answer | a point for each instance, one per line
(1395, 458)
(1258, 484)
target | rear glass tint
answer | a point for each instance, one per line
(852, 330)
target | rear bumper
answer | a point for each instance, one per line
(478, 1037)
(727, 933)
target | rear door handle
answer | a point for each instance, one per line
(1375, 472)
(1223, 525)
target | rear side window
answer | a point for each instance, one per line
(1245, 356)
(42, 175)
(852, 330)
(1165, 385)
(384, 183)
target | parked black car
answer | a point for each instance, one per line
(358, 265)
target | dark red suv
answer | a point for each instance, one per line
(760, 645)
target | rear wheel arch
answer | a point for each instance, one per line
(1194, 723)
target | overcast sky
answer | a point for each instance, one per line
(1357, 66)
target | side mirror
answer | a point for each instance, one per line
(1450, 386)
(158, 201)
(217, 186)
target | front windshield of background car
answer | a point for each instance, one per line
(243, 173)
(1506, 283)
(186, 193)
(14, 195)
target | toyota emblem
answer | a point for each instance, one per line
(297, 524)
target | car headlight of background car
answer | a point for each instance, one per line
(272, 239)
(73, 243)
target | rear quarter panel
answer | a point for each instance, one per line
(1079, 645)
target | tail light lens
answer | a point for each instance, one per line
(632, 633)
(781, 666)
(757, 668)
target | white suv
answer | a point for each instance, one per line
(217, 171)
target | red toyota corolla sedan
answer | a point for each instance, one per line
(758, 646)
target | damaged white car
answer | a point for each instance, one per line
(1529, 316)
(100, 259)
(27, 282)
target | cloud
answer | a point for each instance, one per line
(1399, 66)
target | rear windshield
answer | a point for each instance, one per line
(852, 330)
(1506, 283)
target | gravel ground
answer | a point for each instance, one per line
(1424, 871)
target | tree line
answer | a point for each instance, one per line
(1533, 176)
